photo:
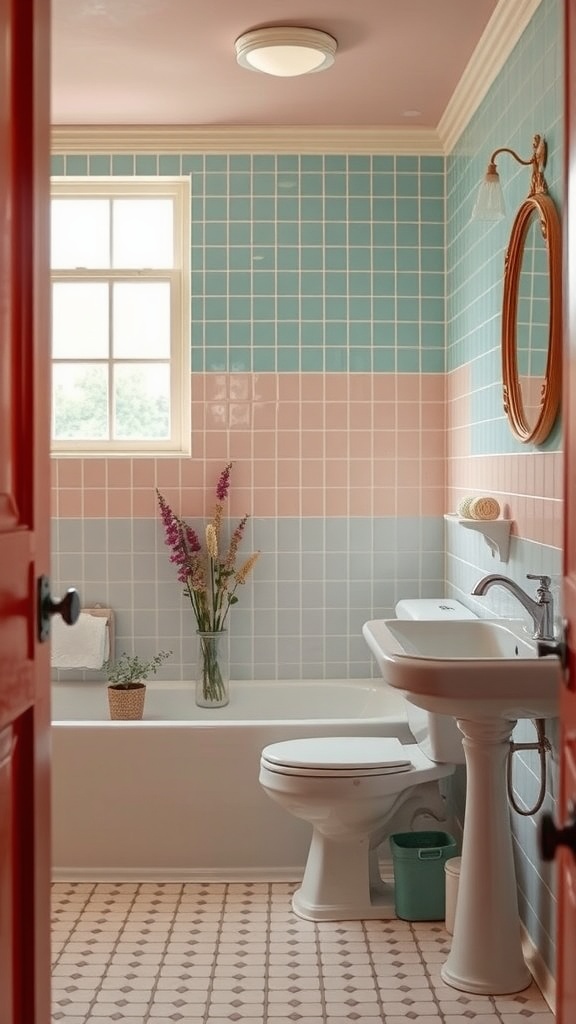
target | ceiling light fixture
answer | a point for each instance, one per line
(285, 51)
(489, 203)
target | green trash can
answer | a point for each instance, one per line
(419, 880)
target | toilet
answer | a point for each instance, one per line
(354, 791)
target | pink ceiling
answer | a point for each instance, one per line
(172, 61)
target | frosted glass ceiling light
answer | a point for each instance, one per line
(489, 203)
(285, 52)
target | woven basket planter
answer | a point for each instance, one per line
(127, 702)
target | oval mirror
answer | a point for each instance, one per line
(531, 320)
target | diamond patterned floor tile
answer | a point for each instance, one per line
(215, 953)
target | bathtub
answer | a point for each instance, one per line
(177, 794)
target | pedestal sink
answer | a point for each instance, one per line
(487, 675)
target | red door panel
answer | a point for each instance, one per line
(24, 514)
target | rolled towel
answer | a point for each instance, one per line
(484, 508)
(464, 507)
(83, 645)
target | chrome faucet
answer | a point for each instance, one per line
(541, 611)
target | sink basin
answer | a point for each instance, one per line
(487, 667)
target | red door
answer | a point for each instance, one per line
(566, 857)
(24, 512)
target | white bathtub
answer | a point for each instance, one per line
(177, 794)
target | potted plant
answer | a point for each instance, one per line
(126, 686)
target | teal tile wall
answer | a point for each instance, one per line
(308, 263)
(525, 99)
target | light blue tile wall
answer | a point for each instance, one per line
(525, 98)
(301, 613)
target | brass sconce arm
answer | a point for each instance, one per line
(489, 205)
(538, 183)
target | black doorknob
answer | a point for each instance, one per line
(68, 607)
(551, 837)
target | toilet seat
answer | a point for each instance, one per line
(337, 757)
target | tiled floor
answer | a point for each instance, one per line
(214, 953)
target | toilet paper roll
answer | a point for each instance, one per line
(484, 508)
(86, 644)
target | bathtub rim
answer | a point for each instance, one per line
(194, 723)
(397, 713)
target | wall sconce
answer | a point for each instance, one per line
(489, 203)
(285, 51)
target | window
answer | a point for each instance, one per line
(120, 316)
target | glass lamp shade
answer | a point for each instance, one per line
(285, 52)
(489, 203)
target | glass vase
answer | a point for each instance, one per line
(212, 669)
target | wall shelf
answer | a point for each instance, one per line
(496, 532)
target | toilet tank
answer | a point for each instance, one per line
(437, 735)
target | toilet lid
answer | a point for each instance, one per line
(337, 755)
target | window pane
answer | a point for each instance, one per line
(143, 234)
(142, 320)
(80, 402)
(80, 320)
(80, 233)
(142, 401)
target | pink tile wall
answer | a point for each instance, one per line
(528, 485)
(302, 444)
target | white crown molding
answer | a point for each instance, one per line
(500, 36)
(238, 139)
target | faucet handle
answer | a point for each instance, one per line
(545, 581)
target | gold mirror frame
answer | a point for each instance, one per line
(545, 209)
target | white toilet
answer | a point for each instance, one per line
(350, 790)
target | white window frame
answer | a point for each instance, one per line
(177, 189)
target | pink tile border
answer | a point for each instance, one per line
(324, 444)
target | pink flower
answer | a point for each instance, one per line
(209, 583)
(181, 538)
(223, 483)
